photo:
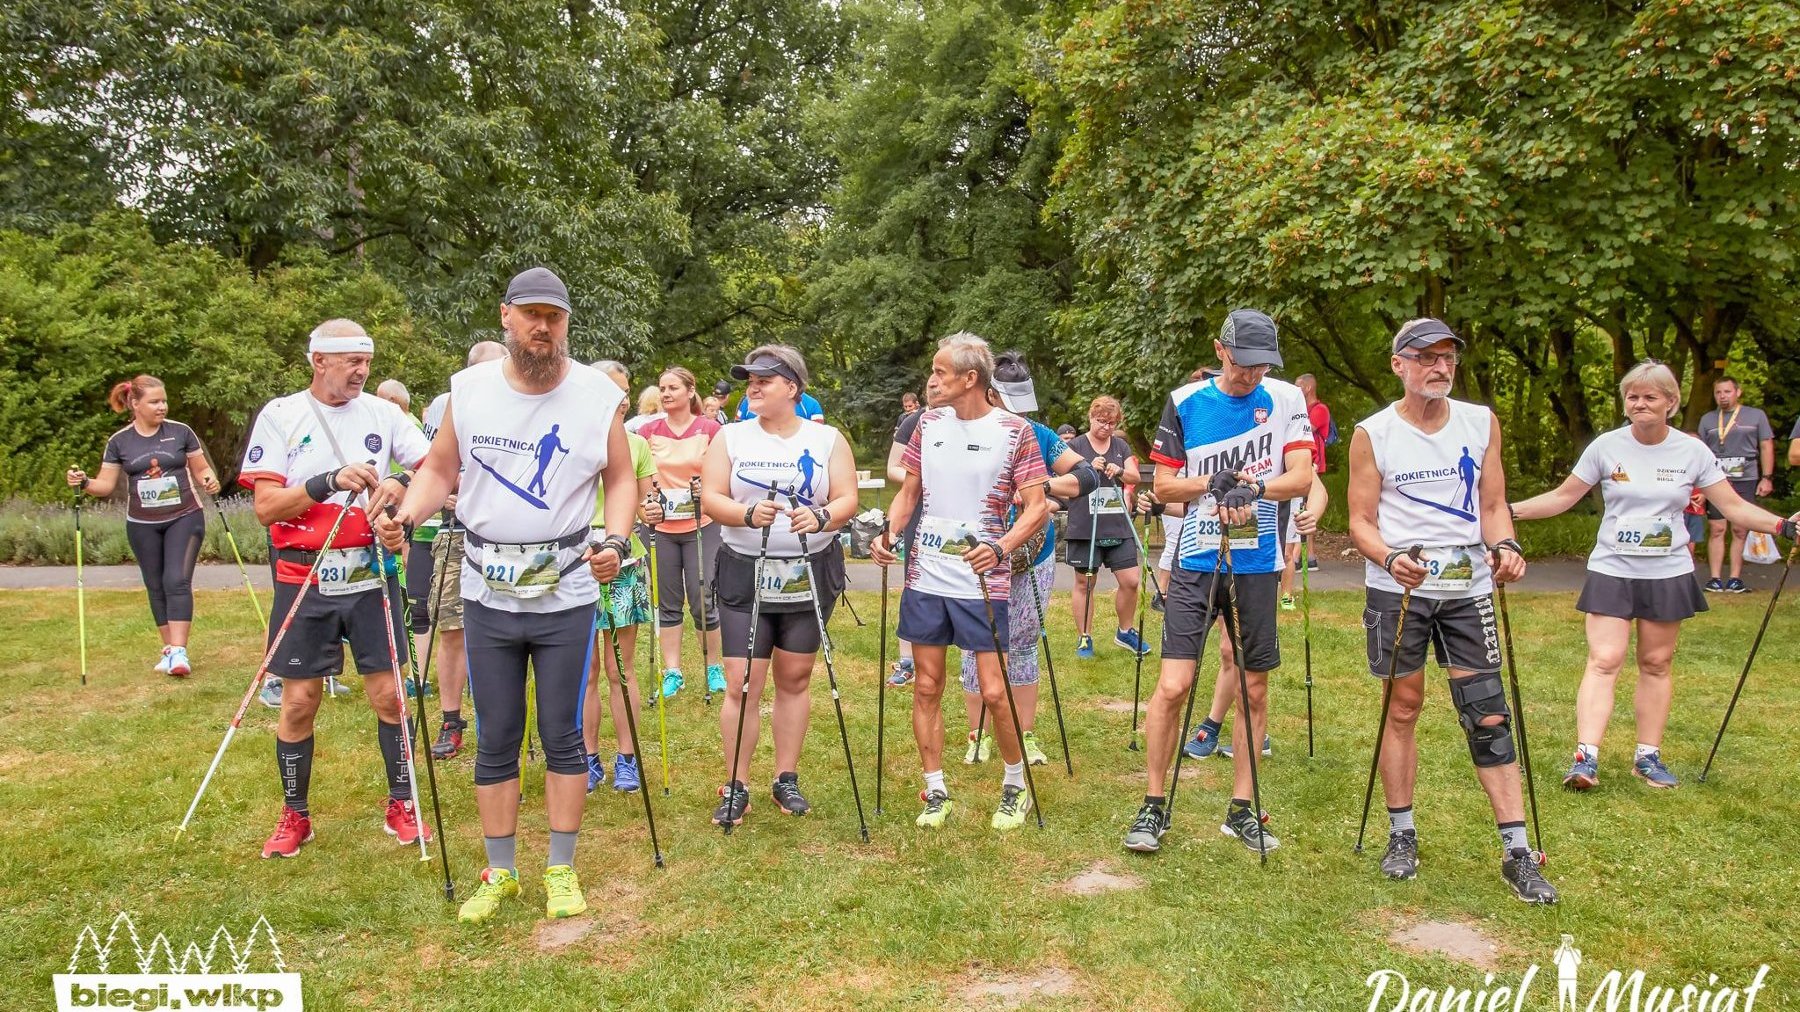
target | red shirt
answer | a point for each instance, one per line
(1320, 416)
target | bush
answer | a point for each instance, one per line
(34, 534)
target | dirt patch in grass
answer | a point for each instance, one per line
(1097, 878)
(990, 988)
(1455, 940)
(1116, 705)
(554, 936)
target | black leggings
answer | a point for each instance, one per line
(679, 561)
(499, 644)
(166, 554)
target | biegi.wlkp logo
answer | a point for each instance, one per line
(223, 975)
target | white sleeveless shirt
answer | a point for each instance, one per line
(530, 469)
(761, 459)
(1431, 496)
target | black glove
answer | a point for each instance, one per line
(1239, 497)
(1785, 530)
(1222, 482)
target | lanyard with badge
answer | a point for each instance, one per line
(1735, 468)
(343, 570)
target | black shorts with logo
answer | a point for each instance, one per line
(1185, 616)
(1117, 557)
(1461, 632)
(314, 644)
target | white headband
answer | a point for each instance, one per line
(331, 344)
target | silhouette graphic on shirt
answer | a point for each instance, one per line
(549, 445)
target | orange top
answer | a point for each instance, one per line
(678, 457)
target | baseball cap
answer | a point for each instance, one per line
(1423, 333)
(766, 365)
(1012, 381)
(1250, 335)
(538, 286)
(721, 388)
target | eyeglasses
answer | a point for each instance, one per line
(1431, 360)
(1109, 423)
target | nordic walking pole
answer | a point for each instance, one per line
(1093, 575)
(830, 671)
(80, 588)
(424, 679)
(881, 678)
(1306, 638)
(406, 726)
(1013, 707)
(844, 599)
(1246, 722)
(262, 670)
(1387, 697)
(631, 726)
(230, 538)
(762, 555)
(1207, 616)
(1745, 674)
(662, 722)
(1512, 671)
(1062, 733)
(695, 489)
(1148, 578)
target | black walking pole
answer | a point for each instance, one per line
(1754, 645)
(1387, 697)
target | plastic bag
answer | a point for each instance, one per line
(1761, 548)
(863, 530)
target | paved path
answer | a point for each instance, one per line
(1556, 575)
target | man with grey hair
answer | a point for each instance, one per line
(394, 392)
(305, 452)
(965, 464)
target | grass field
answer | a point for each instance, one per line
(798, 913)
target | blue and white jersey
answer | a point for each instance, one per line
(1204, 430)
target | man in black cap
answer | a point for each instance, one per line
(1237, 447)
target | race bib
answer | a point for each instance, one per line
(347, 571)
(678, 504)
(941, 536)
(1644, 536)
(784, 581)
(1107, 502)
(1451, 570)
(1246, 535)
(1735, 468)
(521, 571)
(155, 493)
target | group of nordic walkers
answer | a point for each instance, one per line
(541, 530)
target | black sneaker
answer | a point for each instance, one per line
(1248, 829)
(1402, 858)
(735, 802)
(1521, 871)
(1147, 829)
(787, 795)
(449, 741)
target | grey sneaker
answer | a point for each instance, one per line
(1401, 861)
(1248, 829)
(1584, 772)
(1651, 769)
(1147, 830)
(1521, 871)
(271, 693)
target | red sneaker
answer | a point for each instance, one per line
(293, 830)
(403, 823)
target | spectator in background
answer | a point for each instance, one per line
(1794, 445)
(394, 392)
(649, 409)
(1324, 434)
(808, 408)
(713, 408)
(1744, 442)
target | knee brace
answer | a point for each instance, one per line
(1478, 698)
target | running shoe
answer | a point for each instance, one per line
(1651, 769)
(562, 892)
(1736, 586)
(336, 687)
(1401, 861)
(271, 693)
(412, 688)
(402, 823)
(1156, 603)
(1014, 803)
(178, 662)
(787, 795)
(1268, 748)
(1248, 828)
(937, 808)
(1312, 563)
(291, 831)
(1084, 647)
(672, 683)
(625, 774)
(1521, 871)
(1203, 744)
(903, 672)
(1288, 603)
(162, 663)
(1146, 833)
(1130, 640)
(715, 678)
(735, 805)
(1033, 754)
(1584, 772)
(978, 754)
(496, 884)
(1715, 586)
(596, 773)
(450, 739)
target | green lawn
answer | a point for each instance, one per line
(792, 913)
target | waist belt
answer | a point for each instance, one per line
(566, 541)
(308, 556)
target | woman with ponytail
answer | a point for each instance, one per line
(162, 462)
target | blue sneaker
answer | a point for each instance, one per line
(1584, 772)
(1130, 640)
(625, 774)
(596, 773)
(271, 693)
(672, 683)
(1715, 586)
(1084, 647)
(1203, 744)
(1268, 748)
(1736, 586)
(1651, 769)
(715, 678)
(903, 672)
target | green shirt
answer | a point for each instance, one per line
(642, 467)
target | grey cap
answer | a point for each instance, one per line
(766, 365)
(1250, 335)
(538, 286)
(1423, 333)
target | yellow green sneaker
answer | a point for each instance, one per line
(496, 884)
(937, 809)
(1014, 803)
(1033, 754)
(562, 892)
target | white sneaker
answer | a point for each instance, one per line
(162, 666)
(178, 662)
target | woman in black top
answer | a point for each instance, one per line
(165, 521)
